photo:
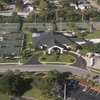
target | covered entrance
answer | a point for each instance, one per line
(55, 48)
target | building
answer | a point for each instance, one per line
(53, 42)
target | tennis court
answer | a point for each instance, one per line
(9, 27)
(11, 44)
(83, 25)
(43, 26)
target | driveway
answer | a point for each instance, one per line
(80, 62)
(34, 59)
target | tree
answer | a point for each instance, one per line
(19, 4)
(9, 84)
(15, 18)
(98, 1)
(89, 46)
(53, 73)
(54, 25)
(1, 7)
(49, 83)
(7, 1)
(74, 47)
(71, 26)
(17, 72)
(36, 2)
(43, 4)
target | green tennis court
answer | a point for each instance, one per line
(11, 44)
(9, 27)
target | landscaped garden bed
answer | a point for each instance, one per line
(54, 57)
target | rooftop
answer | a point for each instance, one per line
(51, 39)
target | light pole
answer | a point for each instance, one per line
(6, 26)
(82, 10)
(36, 12)
(91, 24)
(64, 91)
(56, 14)
(60, 24)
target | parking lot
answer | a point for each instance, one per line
(90, 94)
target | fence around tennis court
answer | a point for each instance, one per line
(9, 27)
(15, 27)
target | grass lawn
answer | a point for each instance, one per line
(83, 52)
(29, 37)
(28, 40)
(93, 35)
(57, 58)
(4, 97)
(36, 93)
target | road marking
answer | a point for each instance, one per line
(93, 92)
(97, 94)
(88, 90)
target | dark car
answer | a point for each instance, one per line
(72, 83)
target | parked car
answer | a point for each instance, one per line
(72, 83)
(86, 88)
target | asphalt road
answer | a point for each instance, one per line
(41, 67)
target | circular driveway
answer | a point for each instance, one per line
(80, 62)
(34, 59)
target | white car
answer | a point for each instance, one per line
(86, 88)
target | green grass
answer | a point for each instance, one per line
(29, 37)
(83, 52)
(4, 97)
(28, 40)
(36, 93)
(93, 35)
(57, 58)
